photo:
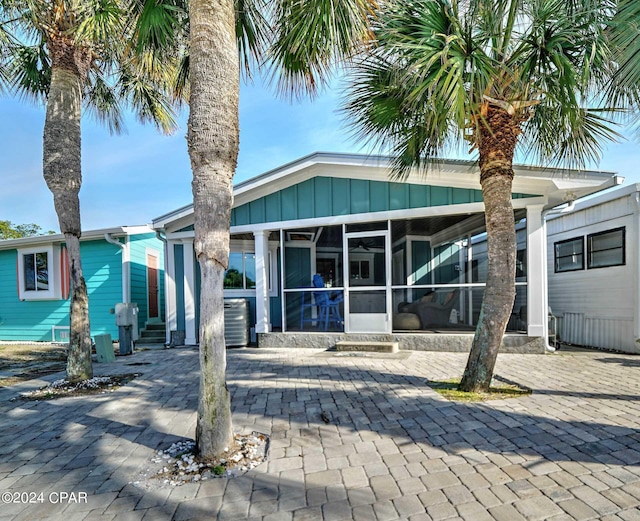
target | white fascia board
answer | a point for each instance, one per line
(25, 242)
(161, 222)
(610, 195)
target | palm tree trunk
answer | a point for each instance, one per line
(499, 134)
(213, 141)
(62, 173)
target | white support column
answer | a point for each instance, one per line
(170, 289)
(537, 325)
(189, 292)
(263, 320)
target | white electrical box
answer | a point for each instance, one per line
(126, 314)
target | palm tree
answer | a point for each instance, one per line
(70, 54)
(497, 75)
(300, 40)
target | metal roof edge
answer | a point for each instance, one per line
(25, 242)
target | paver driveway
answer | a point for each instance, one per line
(393, 449)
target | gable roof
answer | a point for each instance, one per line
(555, 185)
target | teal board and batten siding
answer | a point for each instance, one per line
(275, 302)
(333, 196)
(138, 246)
(32, 319)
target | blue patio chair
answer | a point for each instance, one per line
(328, 305)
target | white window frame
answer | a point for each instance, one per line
(273, 290)
(53, 267)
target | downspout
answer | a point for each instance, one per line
(126, 294)
(545, 284)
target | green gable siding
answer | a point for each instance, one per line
(333, 196)
(420, 259)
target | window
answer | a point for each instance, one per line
(521, 263)
(38, 270)
(360, 269)
(569, 255)
(606, 249)
(35, 271)
(241, 273)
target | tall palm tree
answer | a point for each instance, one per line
(497, 75)
(70, 55)
(300, 40)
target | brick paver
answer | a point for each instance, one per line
(393, 449)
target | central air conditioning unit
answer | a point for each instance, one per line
(236, 322)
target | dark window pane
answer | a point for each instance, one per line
(42, 266)
(233, 277)
(29, 272)
(606, 249)
(250, 270)
(569, 255)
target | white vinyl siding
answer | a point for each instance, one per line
(597, 307)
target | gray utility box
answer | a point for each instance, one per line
(236, 322)
(127, 322)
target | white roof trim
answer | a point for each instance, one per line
(608, 196)
(25, 242)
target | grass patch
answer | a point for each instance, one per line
(22, 362)
(497, 391)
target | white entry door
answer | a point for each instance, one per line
(366, 277)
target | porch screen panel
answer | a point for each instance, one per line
(297, 273)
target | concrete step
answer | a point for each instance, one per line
(155, 326)
(152, 333)
(375, 347)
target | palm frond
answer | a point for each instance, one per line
(29, 71)
(574, 139)
(102, 102)
(416, 91)
(311, 36)
(161, 25)
(149, 101)
(625, 39)
(100, 22)
(252, 33)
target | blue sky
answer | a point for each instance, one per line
(132, 178)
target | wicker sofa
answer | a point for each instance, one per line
(433, 310)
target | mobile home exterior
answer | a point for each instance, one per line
(594, 271)
(122, 264)
(390, 256)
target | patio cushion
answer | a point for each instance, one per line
(407, 321)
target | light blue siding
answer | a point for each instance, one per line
(33, 319)
(138, 246)
(102, 268)
(332, 196)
